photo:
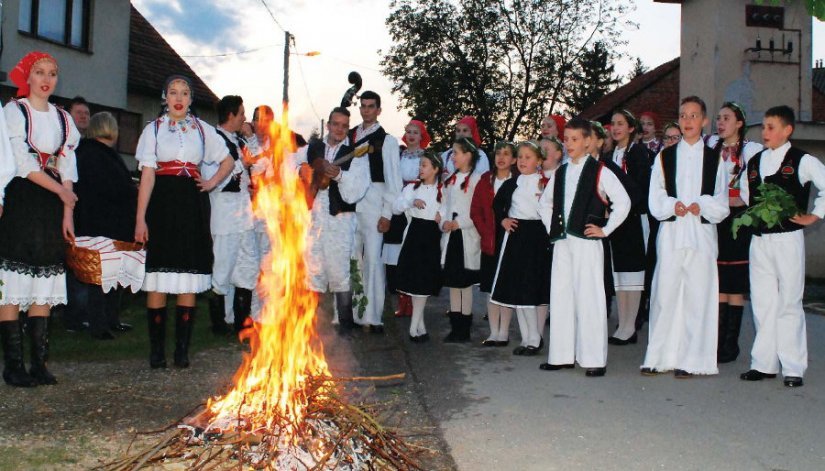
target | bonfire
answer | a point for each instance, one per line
(285, 409)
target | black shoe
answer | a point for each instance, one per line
(156, 318)
(502, 343)
(755, 375)
(530, 351)
(242, 307)
(375, 329)
(595, 372)
(38, 328)
(519, 351)
(122, 327)
(425, 337)
(184, 324)
(415, 339)
(541, 343)
(486, 317)
(103, 335)
(347, 328)
(217, 312)
(682, 374)
(489, 343)
(455, 328)
(649, 371)
(793, 381)
(552, 367)
(617, 341)
(14, 372)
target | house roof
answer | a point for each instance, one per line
(152, 60)
(614, 99)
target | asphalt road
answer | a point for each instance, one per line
(500, 412)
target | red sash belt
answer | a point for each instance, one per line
(47, 161)
(177, 168)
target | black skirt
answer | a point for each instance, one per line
(733, 257)
(627, 244)
(31, 230)
(178, 222)
(419, 263)
(523, 277)
(455, 275)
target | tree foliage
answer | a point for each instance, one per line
(639, 68)
(507, 62)
(815, 7)
(595, 77)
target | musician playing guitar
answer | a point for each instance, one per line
(333, 224)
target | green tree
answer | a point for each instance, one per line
(508, 62)
(639, 68)
(594, 75)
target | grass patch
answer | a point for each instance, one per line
(80, 346)
(37, 457)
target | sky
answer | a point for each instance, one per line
(348, 35)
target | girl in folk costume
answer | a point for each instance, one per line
(488, 225)
(466, 127)
(419, 263)
(461, 243)
(627, 243)
(37, 170)
(553, 126)
(553, 154)
(732, 260)
(522, 280)
(671, 135)
(416, 139)
(173, 214)
(649, 121)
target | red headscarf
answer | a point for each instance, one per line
(560, 124)
(422, 128)
(20, 74)
(471, 122)
(653, 116)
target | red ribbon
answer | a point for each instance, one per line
(178, 168)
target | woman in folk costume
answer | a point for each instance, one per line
(627, 243)
(460, 244)
(553, 126)
(37, 214)
(649, 121)
(419, 263)
(416, 139)
(173, 214)
(522, 280)
(466, 127)
(732, 260)
(488, 225)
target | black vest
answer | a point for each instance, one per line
(234, 185)
(588, 207)
(376, 140)
(316, 150)
(787, 177)
(710, 165)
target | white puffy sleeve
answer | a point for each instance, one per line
(67, 164)
(355, 182)
(8, 168)
(214, 146)
(620, 201)
(715, 208)
(393, 184)
(147, 143)
(25, 162)
(660, 205)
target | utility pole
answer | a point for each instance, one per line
(287, 39)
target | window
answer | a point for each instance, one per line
(61, 21)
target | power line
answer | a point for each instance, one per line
(237, 53)
(304, 80)
(272, 15)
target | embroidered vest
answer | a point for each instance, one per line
(316, 150)
(588, 206)
(47, 162)
(710, 164)
(787, 177)
(376, 140)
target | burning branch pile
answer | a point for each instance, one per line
(285, 410)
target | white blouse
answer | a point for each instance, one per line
(179, 140)
(47, 134)
(426, 193)
(525, 203)
(409, 164)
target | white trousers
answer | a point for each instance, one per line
(684, 313)
(578, 316)
(235, 262)
(261, 250)
(330, 250)
(368, 252)
(777, 275)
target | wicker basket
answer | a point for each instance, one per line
(85, 263)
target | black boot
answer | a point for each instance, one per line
(466, 326)
(14, 372)
(184, 321)
(346, 318)
(241, 306)
(217, 313)
(733, 324)
(456, 324)
(720, 339)
(157, 337)
(38, 328)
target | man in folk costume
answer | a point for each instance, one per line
(235, 269)
(689, 195)
(333, 219)
(375, 210)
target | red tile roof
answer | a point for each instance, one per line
(621, 95)
(152, 60)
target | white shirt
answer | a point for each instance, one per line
(47, 134)
(609, 188)
(497, 182)
(482, 166)
(688, 231)
(381, 196)
(231, 211)
(426, 193)
(352, 183)
(525, 202)
(409, 164)
(810, 170)
(179, 140)
(749, 150)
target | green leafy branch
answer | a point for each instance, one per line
(815, 7)
(357, 284)
(772, 206)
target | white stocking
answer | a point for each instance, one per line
(504, 326)
(522, 327)
(417, 322)
(493, 315)
(541, 318)
(529, 315)
(628, 306)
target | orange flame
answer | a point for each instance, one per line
(284, 346)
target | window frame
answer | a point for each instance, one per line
(34, 16)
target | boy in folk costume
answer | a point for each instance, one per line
(375, 209)
(573, 208)
(689, 195)
(777, 255)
